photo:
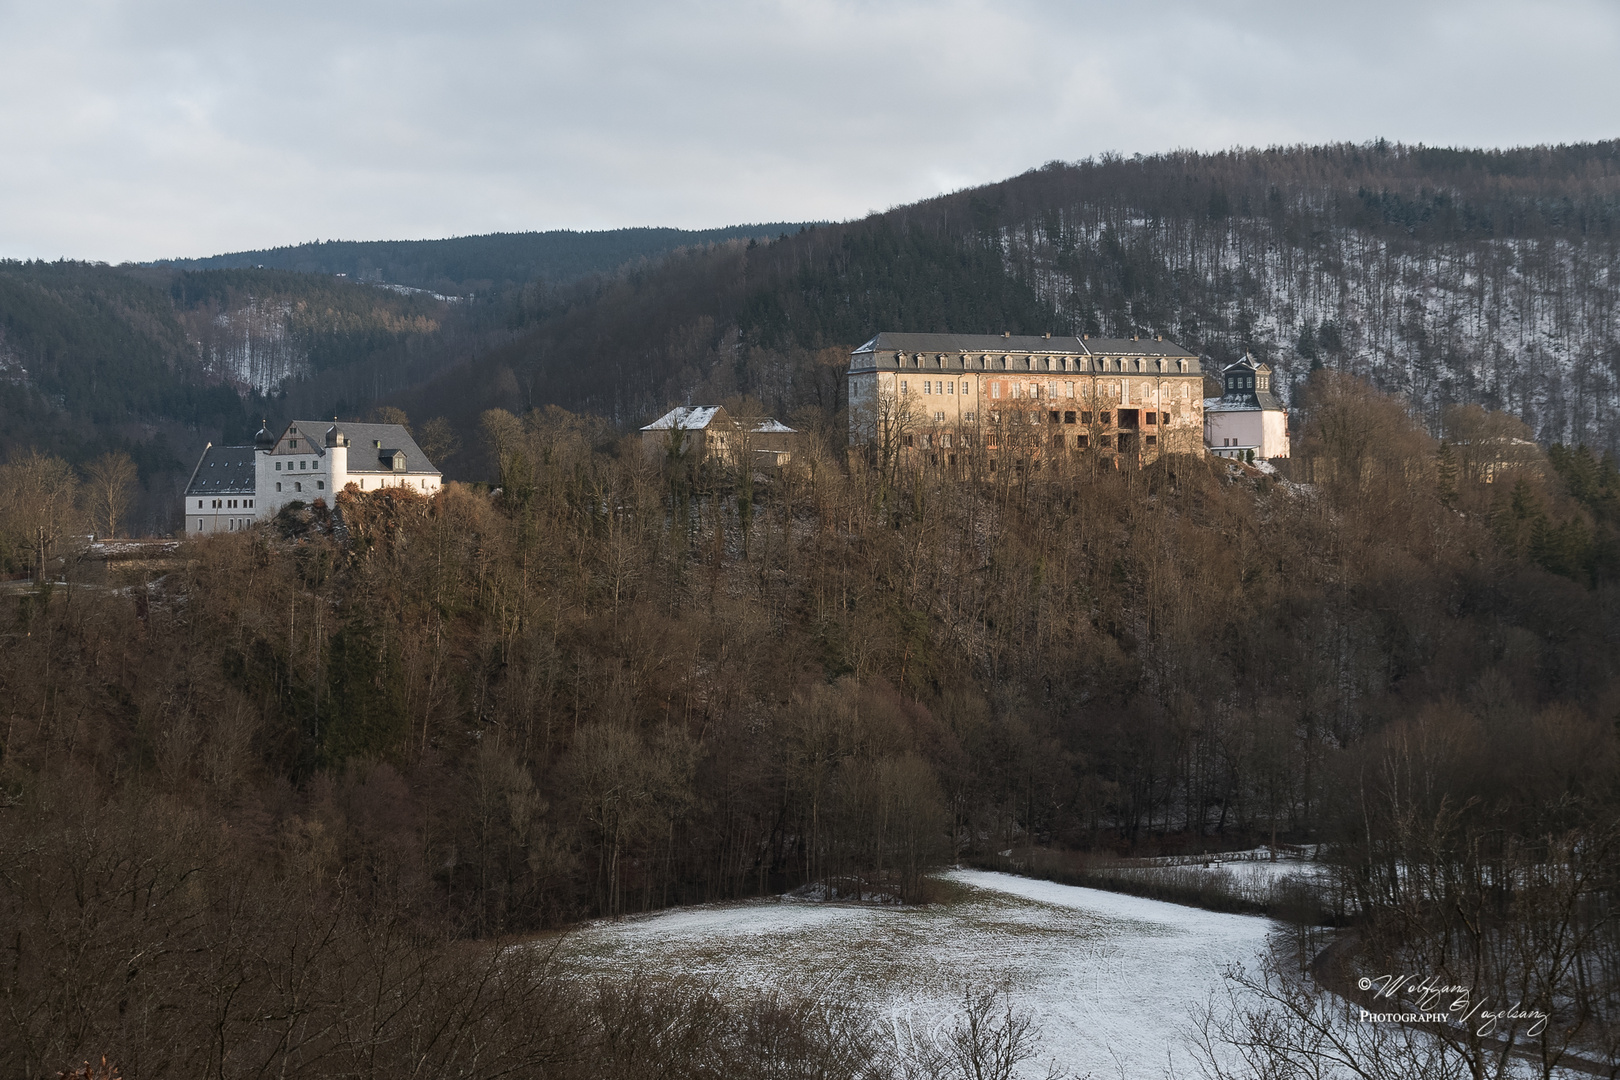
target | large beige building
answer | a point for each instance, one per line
(950, 400)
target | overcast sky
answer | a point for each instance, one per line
(183, 127)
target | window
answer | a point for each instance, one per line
(320, 485)
(1081, 441)
(965, 385)
(906, 440)
(1183, 364)
(298, 487)
(292, 444)
(1085, 418)
(1051, 388)
(967, 416)
(1068, 418)
(927, 441)
(950, 387)
(995, 390)
(1107, 441)
(278, 466)
(1057, 417)
(945, 439)
(928, 386)
(199, 521)
(902, 386)
(302, 463)
(939, 418)
(1150, 439)
(1152, 417)
(199, 504)
(1164, 418)
(1068, 389)
(278, 485)
(1106, 419)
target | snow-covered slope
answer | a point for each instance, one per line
(1108, 978)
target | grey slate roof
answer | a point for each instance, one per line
(1246, 400)
(995, 343)
(363, 448)
(972, 343)
(223, 470)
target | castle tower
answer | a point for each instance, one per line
(337, 454)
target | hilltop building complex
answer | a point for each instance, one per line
(951, 399)
(234, 486)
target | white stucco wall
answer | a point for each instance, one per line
(1264, 429)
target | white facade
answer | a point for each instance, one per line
(1248, 418)
(310, 461)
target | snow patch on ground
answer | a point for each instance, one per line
(1109, 978)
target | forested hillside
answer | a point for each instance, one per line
(301, 767)
(481, 264)
(1444, 276)
(156, 363)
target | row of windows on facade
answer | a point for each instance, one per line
(229, 504)
(945, 441)
(303, 463)
(1069, 416)
(233, 524)
(1032, 390)
(1048, 363)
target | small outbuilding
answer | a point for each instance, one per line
(709, 432)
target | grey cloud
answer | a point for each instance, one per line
(142, 130)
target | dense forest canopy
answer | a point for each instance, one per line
(476, 264)
(631, 680)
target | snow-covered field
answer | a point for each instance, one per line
(1108, 978)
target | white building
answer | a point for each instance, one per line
(1247, 417)
(234, 486)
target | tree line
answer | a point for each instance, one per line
(618, 680)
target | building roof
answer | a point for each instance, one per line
(223, 470)
(997, 343)
(768, 426)
(367, 443)
(1245, 399)
(687, 418)
(1244, 403)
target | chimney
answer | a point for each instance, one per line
(1161, 337)
(1006, 333)
(1049, 335)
